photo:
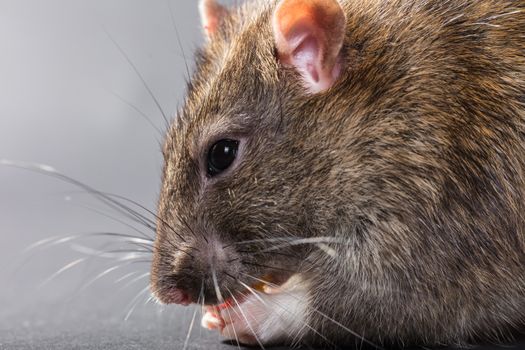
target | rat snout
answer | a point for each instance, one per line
(200, 273)
(176, 296)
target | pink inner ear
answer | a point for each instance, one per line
(309, 35)
(305, 57)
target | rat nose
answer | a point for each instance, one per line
(176, 296)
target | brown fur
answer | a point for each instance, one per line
(416, 157)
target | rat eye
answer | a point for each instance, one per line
(221, 155)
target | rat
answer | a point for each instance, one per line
(350, 170)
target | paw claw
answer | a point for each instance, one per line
(212, 321)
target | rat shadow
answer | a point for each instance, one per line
(517, 344)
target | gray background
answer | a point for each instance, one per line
(64, 90)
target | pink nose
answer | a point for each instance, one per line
(177, 296)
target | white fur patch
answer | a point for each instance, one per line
(263, 319)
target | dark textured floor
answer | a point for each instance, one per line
(105, 335)
(56, 327)
(148, 328)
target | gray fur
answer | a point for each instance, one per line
(415, 158)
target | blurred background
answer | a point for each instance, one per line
(70, 98)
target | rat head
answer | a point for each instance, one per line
(243, 154)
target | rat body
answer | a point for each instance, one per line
(364, 160)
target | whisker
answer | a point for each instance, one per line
(295, 240)
(180, 249)
(178, 40)
(134, 302)
(186, 341)
(251, 290)
(246, 319)
(136, 279)
(191, 230)
(146, 210)
(59, 240)
(110, 202)
(331, 252)
(216, 286)
(61, 271)
(201, 298)
(143, 234)
(140, 76)
(238, 315)
(233, 328)
(157, 217)
(108, 271)
(110, 254)
(50, 242)
(317, 241)
(149, 300)
(190, 329)
(267, 266)
(126, 276)
(227, 274)
(301, 259)
(141, 113)
(38, 244)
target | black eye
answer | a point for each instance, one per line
(221, 155)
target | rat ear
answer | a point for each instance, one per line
(309, 35)
(211, 14)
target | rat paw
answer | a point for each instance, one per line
(211, 319)
(245, 322)
(261, 318)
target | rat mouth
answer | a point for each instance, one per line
(267, 284)
(217, 317)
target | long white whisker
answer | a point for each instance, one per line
(60, 271)
(110, 254)
(136, 279)
(126, 276)
(251, 290)
(150, 299)
(277, 239)
(40, 243)
(294, 240)
(216, 286)
(233, 328)
(101, 213)
(104, 198)
(246, 319)
(106, 272)
(317, 241)
(134, 302)
(186, 341)
(59, 240)
(139, 75)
